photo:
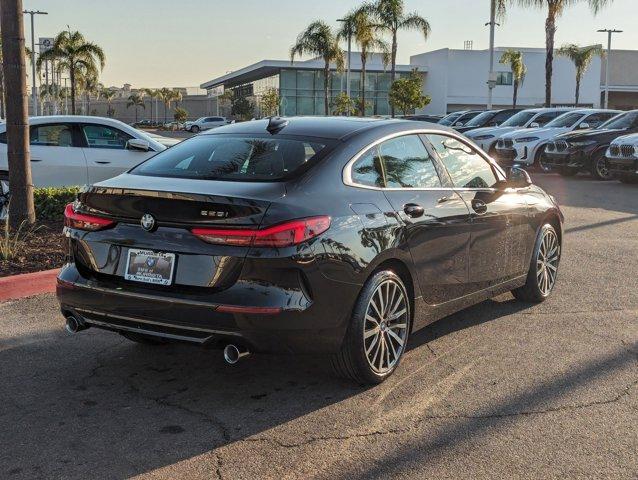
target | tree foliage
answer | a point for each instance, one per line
(242, 108)
(270, 102)
(582, 58)
(180, 115)
(406, 93)
(342, 104)
(519, 70)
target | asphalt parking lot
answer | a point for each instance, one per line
(501, 390)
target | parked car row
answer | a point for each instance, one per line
(622, 158)
(206, 123)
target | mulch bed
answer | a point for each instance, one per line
(44, 248)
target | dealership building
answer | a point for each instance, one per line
(454, 79)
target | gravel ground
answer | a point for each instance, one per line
(500, 390)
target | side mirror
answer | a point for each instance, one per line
(518, 178)
(584, 126)
(534, 125)
(138, 144)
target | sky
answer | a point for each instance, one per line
(171, 43)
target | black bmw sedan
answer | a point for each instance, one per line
(338, 236)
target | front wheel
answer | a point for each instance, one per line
(195, 129)
(600, 167)
(378, 332)
(543, 268)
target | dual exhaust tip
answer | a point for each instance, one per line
(232, 353)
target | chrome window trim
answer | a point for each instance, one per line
(347, 169)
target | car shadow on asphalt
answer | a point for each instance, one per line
(111, 408)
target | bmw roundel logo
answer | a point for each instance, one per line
(147, 222)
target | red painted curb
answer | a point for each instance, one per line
(27, 284)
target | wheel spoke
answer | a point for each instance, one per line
(398, 339)
(381, 301)
(401, 326)
(376, 308)
(399, 314)
(369, 333)
(374, 342)
(380, 366)
(370, 318)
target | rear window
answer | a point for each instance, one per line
(232, 157)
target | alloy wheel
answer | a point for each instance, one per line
(602, 169)
(385, 327)
(547, 262)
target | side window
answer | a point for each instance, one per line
(367, 169)
(597, 119)
(545, 118)
(3, 137)
(51, 135)
(102, 136)
(408, 164)
(465, 166)
(501, 117)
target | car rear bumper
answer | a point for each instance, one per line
(267, 320)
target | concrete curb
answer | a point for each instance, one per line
(27, 284)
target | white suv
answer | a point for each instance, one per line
(486, 138)
(622, 158)
(205, 123)
(526, 147)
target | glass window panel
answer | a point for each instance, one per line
(305, 106)
(383, 82)
(408, 163)
(305, 81)
(58, 135)
(367, 169)
(101, 136)
(288, 79)
(289, 105)
(320, 107)
(465, 166)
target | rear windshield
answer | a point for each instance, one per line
(480, 119)
(233, 157)
(565, 120)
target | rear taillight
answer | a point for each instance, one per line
(82, 221)
(282, 235)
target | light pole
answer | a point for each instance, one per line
(349, 52)
(34, 91)
(491, 81)
(609, 33)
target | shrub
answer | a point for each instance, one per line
(50, 201)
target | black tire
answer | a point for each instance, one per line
(539, 166)
(599, 167)
(567, 171)
(630, 179)
(531, 291)
(144, 339)
(194, 129)
(352, 361)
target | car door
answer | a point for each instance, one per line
(436, 219)
(498, 248)
(106, 152)
(56, 159)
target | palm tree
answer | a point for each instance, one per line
(582, 58)
(318, 39)
(135, 100)
(167, 96)
(152, 94)
(555, 8)
(515, 60)
(365, 32)
(392, 18)
(108, 94)
(90, 86)
(72, 53)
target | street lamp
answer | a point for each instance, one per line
(491, 81)
(609, 33)
(349, 52)
(34, 91)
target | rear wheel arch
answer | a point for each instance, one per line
(400, 268)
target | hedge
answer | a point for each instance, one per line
(50, 201)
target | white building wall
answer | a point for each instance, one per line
(457, 79)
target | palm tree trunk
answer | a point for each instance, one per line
(326, 80)
(12, 29)
(550, 32)
(165, 107)
(577, 90)
(363, 83)
(88, 103)
(135, 113)
(394, 65)
(515, 97)
(72, 75)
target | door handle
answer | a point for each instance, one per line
(479, 206)
(102, 162)
(413, 210)
(443, 199)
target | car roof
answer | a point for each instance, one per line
(321, 127)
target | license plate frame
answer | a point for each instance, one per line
(150, 268)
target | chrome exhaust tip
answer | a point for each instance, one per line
(74, 324)
(233, 353)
